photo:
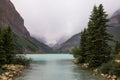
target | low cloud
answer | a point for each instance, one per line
(53, 19)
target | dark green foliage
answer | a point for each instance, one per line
(117, 47)
(106, 68)
(98, 38)
(8, 44)
(81, 52)
(2, 52)
(83, 46)
(116, 69)
(94, 48)
(8, 41)
(7, 49)
(22, 60)
(76, 52)
(111, 67)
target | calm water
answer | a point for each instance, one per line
(55, 67)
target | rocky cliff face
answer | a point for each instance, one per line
(12, 17)
(23, 41)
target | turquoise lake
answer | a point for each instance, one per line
(55, 67)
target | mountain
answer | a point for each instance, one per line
(42, 47)
(114, 29)
(114, 24)
(10, 16)
(66, 47)
(23, 41)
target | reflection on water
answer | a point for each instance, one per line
(55, 67)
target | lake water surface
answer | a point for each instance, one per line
(55, 67)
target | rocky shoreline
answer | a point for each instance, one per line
(106, 76)
(97, 72)
(11, 71)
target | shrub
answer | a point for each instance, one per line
(106, 68)
(116, 69)
(118, 57)
(111, 67)
(76, 52)
(22, 60)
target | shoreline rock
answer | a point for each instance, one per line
(109, 77)
(96, 71)
(11, 71)
(75, 61)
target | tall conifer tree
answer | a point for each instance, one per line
(83, 46)
(98, 37)
(8, 44)
(2, 52)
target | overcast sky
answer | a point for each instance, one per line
(55, 20)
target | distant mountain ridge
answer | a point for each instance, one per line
(66, 47)
(114, 24)
(23, 41)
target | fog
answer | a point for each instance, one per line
(54, 21)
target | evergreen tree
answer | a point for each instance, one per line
(2, 52)
(117, 47)
(76, 52)
(8, 45)
(98, 47)
(83, 46)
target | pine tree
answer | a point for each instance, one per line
(83, 46)
(98, 38)
(8, 44)
(2, 52)
(117, 47)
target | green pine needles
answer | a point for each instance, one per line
(94, 48)
(98, 37)
(7, 52)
